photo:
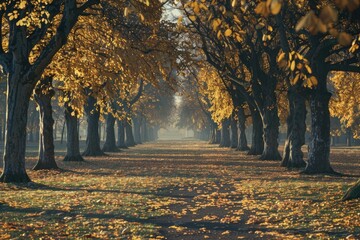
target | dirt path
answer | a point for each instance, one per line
(181, 190)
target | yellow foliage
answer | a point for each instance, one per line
(345, 103)
(213, 88)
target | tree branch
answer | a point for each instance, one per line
(344, 68)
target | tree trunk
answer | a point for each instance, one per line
(130, 142)
(55, 129)
(217, 136)
(213, 128)
(137, 131)
(257, 145)
(156, 132)
(144, 131)
(72, 136)
(319, 146)
(92, 138)
(353, 192)
(17, 104)
(242, 141)
(296, 128)
(110, 141)
(62, 133)
(1, 130)
(150, 133)
(121, 134)
(43, 95)
(271, 123)
(225, 133)
(32, 123)
(234, 133)
(4, 129)
(349, 137)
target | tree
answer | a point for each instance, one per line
(353, 192)
(43, 94)
(27, 27)
(72, 142)
(92, 139)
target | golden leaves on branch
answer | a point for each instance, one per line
(299, 66)
(270, 7)
(324, 23)
(345, 39)
(34, 16)
(228, 32)
(355, 45)
(344, 105)
(312, 23)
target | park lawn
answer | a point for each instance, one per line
(181, 190)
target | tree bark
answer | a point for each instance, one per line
(43, 95)
(22, 78)
(72, 136)
(296, 128)
(110, 141)
(121, 134)
(137, 131)
(151, 134)
(319, 146)
(92, 138)
(62, 132)
(17, 104)
(156, 132)
(130, 142)
(349, 137)
(234, 133)
(32, 124)
(144, 131)
(242, 141)
(257, 145)
(217, 136)
(271, 124)
(213, 128)
(55, 129)
(225, 134)
(353, 192)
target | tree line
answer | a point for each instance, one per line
(273, 61)
(238, 61)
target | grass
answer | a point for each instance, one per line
(181, 190)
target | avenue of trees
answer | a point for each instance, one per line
(275, 61)
(236, 63)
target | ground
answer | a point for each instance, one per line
(181, 190)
